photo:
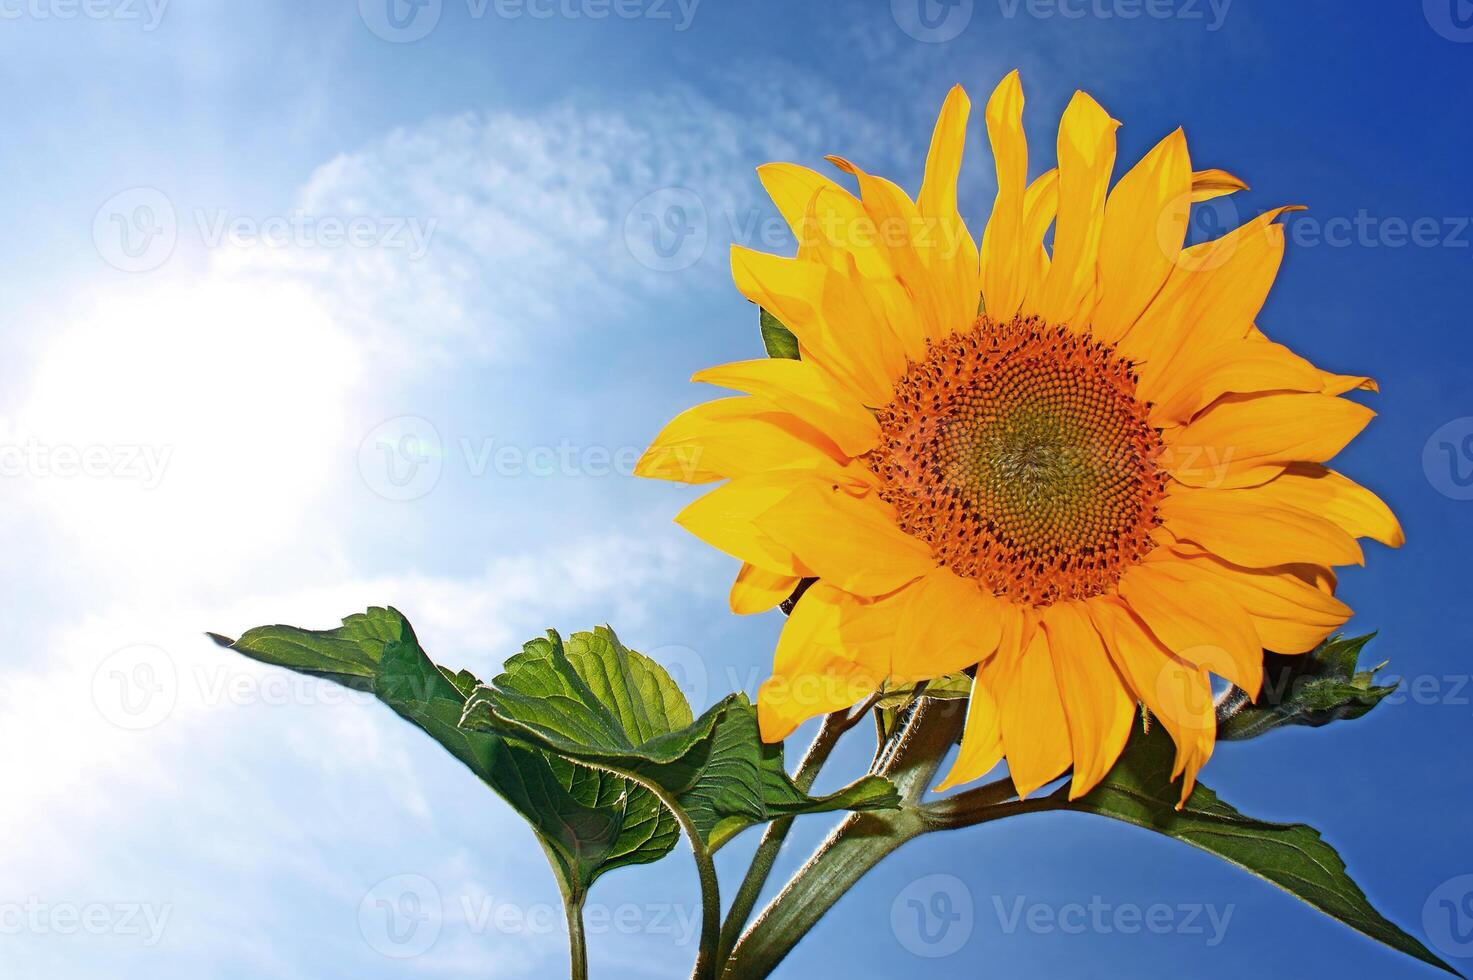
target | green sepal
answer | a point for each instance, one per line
(778, 340)
(1312, 689)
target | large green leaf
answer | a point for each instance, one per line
(776, 338)
(590, 821)
(1139, 791)
(1314, 689)
(595, 701)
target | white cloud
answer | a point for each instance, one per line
(246, 382)
(539, 223)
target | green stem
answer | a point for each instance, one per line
(834, 726)
(857, 844)
(577, 944)
(706, 956)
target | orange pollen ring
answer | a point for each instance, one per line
(1020, 453)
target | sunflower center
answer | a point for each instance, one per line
(1019, 452)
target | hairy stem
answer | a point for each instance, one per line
(577, 944)
(707, 955)
(833, 727)
(856, 845)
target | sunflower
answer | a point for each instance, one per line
(1078, 472)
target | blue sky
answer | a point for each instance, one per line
(251, 247)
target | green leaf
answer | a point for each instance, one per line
(1139, 791)
(1313, 689)
(597, 702)
(589, 821)
(778, 339)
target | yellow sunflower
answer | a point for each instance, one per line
(1080, 470)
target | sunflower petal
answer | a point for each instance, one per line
(1214, 294)
(1251, 528)
(757, 590)
(1086, 159)
(832, 327)
(948, 625)
(726, 519)
(849, 542)
(1197, 621)
(1035, 731)
(1040, 208)
(1241, 442)
(1145, 224)
(1289, 614)
(800, 388)
(815, 671)
(1320, 490)
(1003, 282)
(1176, 692)
(1096, 705)
(734, 437)
(956, 270)
(1209, 184)
(1243, 366)
(981, 745)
